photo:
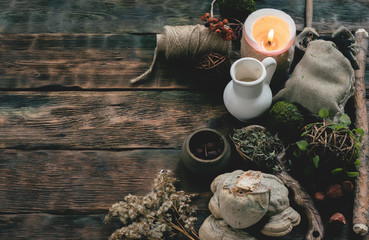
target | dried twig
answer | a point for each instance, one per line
(309, 13)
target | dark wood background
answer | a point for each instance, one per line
(76, 136)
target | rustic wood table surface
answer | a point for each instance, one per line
(76, 136)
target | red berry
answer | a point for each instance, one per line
(334, 191)
(225, 21)
(215, 20)
(347, 186)
(220, 24)
(210, 19)
(320, 196)
(212, 27)
(205, 17)
(217, 31)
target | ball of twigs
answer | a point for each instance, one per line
(324, 139)
(213, 71)
(335, 146)
(329, 150)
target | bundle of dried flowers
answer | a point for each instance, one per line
(164, 212)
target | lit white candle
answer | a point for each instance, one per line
(270, 33)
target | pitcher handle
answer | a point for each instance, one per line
(270, 65)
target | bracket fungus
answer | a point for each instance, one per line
(242, 198)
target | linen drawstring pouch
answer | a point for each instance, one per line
(323, 78)
(342, 37)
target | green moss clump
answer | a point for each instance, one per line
(238, 9)
(286, 119)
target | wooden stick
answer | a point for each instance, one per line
(361, 202)
(309, 13)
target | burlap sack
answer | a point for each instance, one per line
(323, 78)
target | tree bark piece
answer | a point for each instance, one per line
(302, 198)
(361, 202)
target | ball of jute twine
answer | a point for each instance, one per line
(189, 42)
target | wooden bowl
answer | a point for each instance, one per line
(244, 156)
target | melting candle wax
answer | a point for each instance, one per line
(271, 33)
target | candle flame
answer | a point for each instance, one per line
(270, 35)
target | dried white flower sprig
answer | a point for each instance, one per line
(164, 212)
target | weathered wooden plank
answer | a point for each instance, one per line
(73, 60)
(113, 16)
(88, 16)
(48, 226)
(107, 120)
(44, 226)
(88, 61)
(80, 182)
(65, 194)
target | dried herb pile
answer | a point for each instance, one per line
(164, 212)
(259, 146)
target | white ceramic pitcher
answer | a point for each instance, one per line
(248, 94)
